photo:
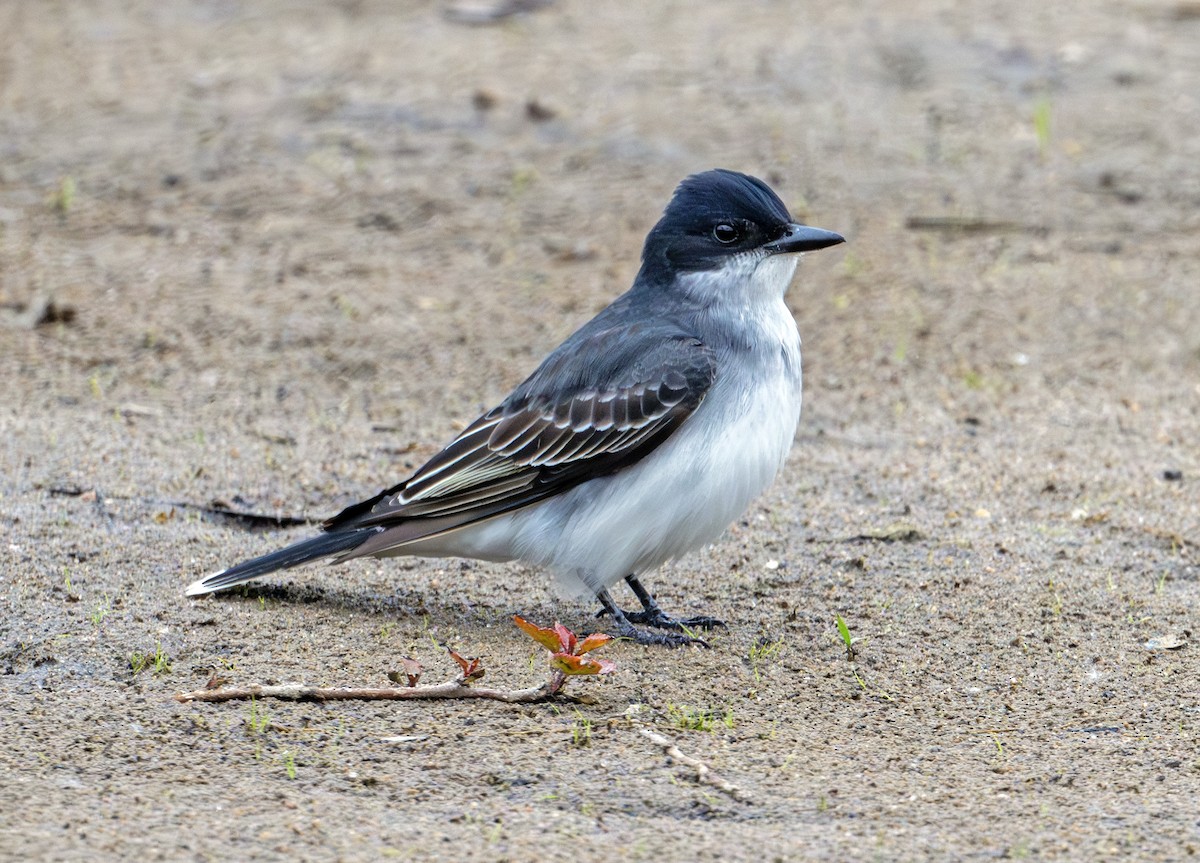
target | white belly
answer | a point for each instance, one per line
(686, 492)
(678, 498)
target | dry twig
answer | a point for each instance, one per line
(567, 659)
(300, 692)
(703, 773)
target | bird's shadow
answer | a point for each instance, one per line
(436, 606)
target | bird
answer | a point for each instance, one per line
(640, 438)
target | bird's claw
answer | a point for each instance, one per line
(679, 631)
(659, 620)
(665, 639)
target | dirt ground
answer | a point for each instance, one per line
(269, 255)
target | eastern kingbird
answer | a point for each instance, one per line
(640, 438)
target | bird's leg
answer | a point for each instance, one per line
(652, 615)
(625, 629)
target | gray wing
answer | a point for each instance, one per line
(597, 405)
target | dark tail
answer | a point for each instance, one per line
(302, 552)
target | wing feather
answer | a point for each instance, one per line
(553, 447)
(509, 428)
(464, 448)
(569, 422)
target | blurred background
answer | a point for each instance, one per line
(266, 256)
(358, 209)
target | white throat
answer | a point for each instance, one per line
(751, 279)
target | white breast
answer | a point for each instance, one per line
(691, 488)
(686, 492)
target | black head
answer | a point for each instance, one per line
(720, 213)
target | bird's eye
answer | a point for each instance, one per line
(726, 233)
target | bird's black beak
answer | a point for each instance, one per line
(802, 238)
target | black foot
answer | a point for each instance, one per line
(652, 615)
(625, 629)
(650, 636)
(658, 619)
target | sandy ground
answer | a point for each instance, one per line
(272, 254)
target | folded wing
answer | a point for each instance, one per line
(599, 404)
